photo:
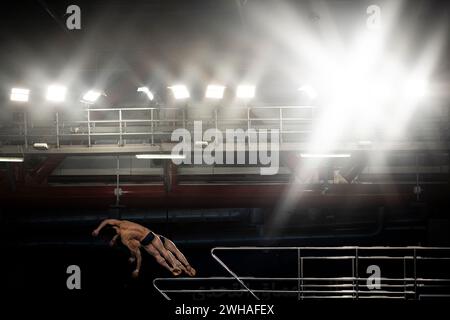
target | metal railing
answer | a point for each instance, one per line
(152, 125)
(410, 273)
(155, 124)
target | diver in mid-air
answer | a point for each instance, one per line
(134, 236)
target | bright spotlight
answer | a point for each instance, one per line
(416, 88)
(56, 93)
(19, 95)
(11, 159)
(214, 92)
(309, 91)
(91, 96)
(180, 91)
(245, 92)
(147, 92)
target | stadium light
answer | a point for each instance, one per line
(416, 88)
(245, 92)
(91, 96)
(56, 93)
(147, 92)
(159, 156)
(19, 94)
(180, 91)
(11, 159)
(214, 91)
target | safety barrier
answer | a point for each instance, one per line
(410, 273)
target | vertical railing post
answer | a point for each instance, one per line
(120, 128)
(357, 273)
(298, 273)
(353, 277)
(248, 119)
(152, 126)
(25, 129)
(404, 276)
(57, 129)
(216, 121)
(415, 273)
(301, 276)
(89, 126)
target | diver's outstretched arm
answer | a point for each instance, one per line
(104, 223)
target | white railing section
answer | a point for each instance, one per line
(410, 273)
(119, 126)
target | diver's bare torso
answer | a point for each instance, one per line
(132, 231)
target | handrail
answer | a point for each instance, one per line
(294, 123)
(340, 287)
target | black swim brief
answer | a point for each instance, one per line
(148, 239)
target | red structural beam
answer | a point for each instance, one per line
(43, 171)
(216, 196)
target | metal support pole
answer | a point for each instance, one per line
(89, 126)
(353, 277)
(125, 130)
(170, 175)
(120, 128)
(357, 273)
(57, 129)
(301, 275)
(415, 273)
(216, 122)
(152, 127)
(248, 119)
(404, 276)
(25, 129)
(298, 273)
(233, 274)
